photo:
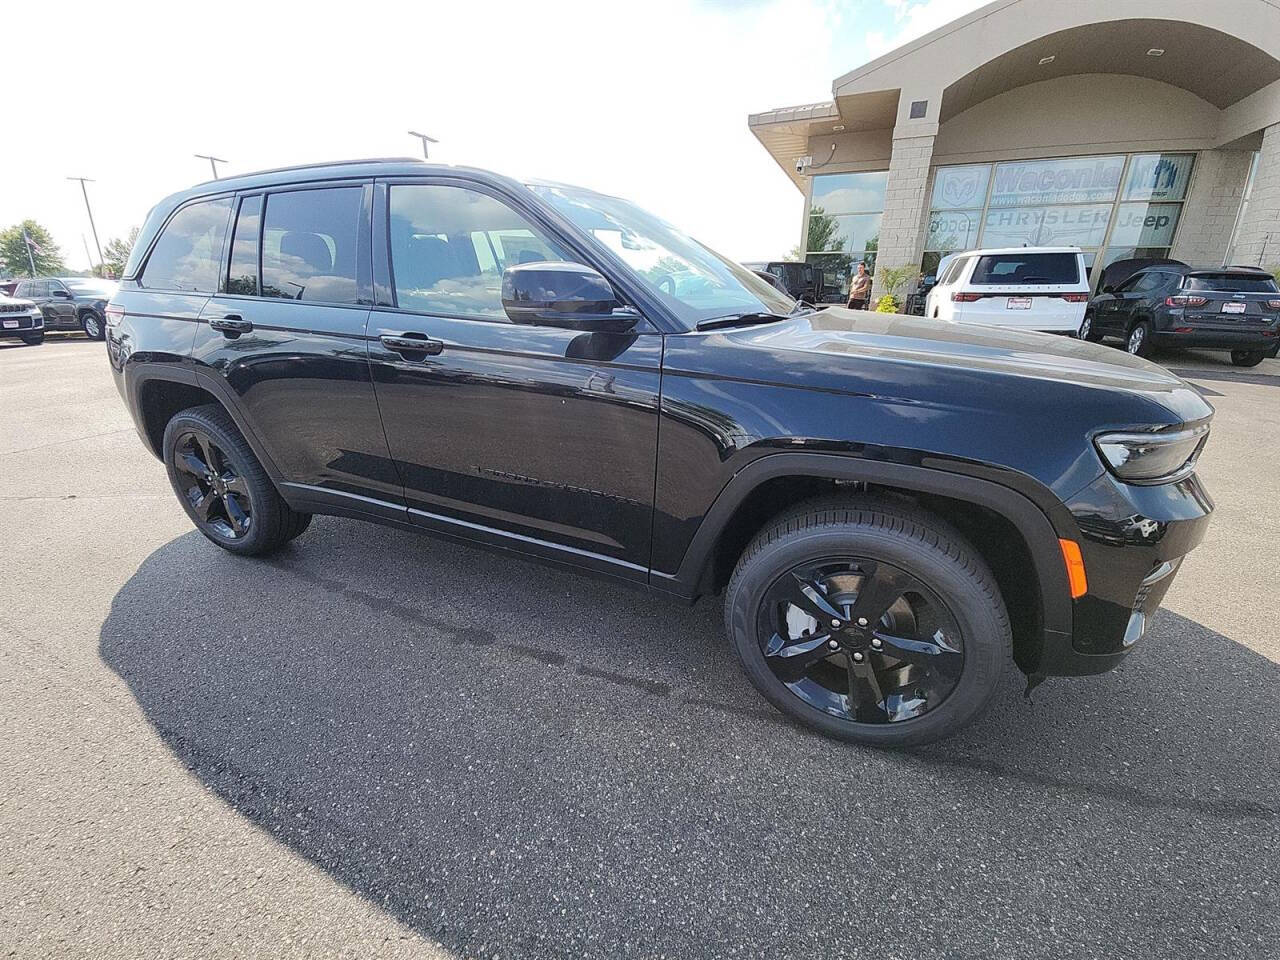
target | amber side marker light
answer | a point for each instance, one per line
(1075, 568)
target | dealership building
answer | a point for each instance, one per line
(1125, 127)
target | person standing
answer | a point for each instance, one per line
(860, 288)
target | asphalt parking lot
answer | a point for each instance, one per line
(375, 744)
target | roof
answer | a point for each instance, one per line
(329, 170)
(1000, 251)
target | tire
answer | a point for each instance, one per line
(34, 340)
(1247, 358)
(1086, 329)
(94, 326)
(898, 540)
(1138, 342)
(235, 504)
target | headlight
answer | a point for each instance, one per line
(1152, 457)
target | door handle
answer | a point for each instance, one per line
(231, 325)
(412, 346)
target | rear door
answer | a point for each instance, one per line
(284, 341)
(1032, 290)
(536, 437)
(1230, 302)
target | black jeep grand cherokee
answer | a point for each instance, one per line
(892, 506)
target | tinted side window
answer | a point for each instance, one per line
(189, 250)
(309, 245)
(242, 277)
(1150, 282)
(23, 289)
(449, 246)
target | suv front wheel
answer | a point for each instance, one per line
(222, 486)
(868, 620)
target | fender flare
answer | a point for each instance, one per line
(1031, 521)
(180, 371)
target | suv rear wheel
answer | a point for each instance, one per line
(1247, 358)
(222, 486)
(92, 325)
(1139, 340)
(870, 621)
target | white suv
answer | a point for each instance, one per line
(1031, 288)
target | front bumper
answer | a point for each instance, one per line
(1133, 540)
(26, 325)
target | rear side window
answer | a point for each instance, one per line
(1231, 283)
(1014, 268)
(309, 245)
(242, 278)
(187, 254)
(450, 245)
(952, 273)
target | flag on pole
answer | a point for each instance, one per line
(29, 244)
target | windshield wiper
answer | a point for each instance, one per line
(741, 320)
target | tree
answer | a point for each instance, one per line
(45, 253)
(116, 253)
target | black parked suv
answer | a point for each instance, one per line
(70, 303)
(1171, 304)
(892, 507)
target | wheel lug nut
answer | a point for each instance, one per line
(857, 657)
(833, 644)
(836, 624)
(875, 642)
(862, 621)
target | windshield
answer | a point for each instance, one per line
(106, 287)
(694, 282)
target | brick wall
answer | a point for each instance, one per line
(1262, 216)
(906, 204)
(1209, 215)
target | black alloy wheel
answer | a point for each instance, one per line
(217, 495)
(869, 620)
(223, 487)
(860, 639)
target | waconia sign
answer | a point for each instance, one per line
(1035, 182)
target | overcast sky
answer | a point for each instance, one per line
(647, 100)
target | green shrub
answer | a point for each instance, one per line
(887, 304)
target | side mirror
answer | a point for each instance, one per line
(1108, 288)
(61, 295)
(557, 294)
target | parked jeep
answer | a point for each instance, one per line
(70, 303)
(892, 507)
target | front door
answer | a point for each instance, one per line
(284, 337)
(62, 306)
(536, 437)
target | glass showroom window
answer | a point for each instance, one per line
(1110, 206)
(844, 224)
(959, 196)
(1151, 204)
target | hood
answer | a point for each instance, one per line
(9, 301)
(955, 350)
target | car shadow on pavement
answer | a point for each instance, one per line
(515, 760)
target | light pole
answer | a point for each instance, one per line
(425, 140)
(213, 162)
(89, 210)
